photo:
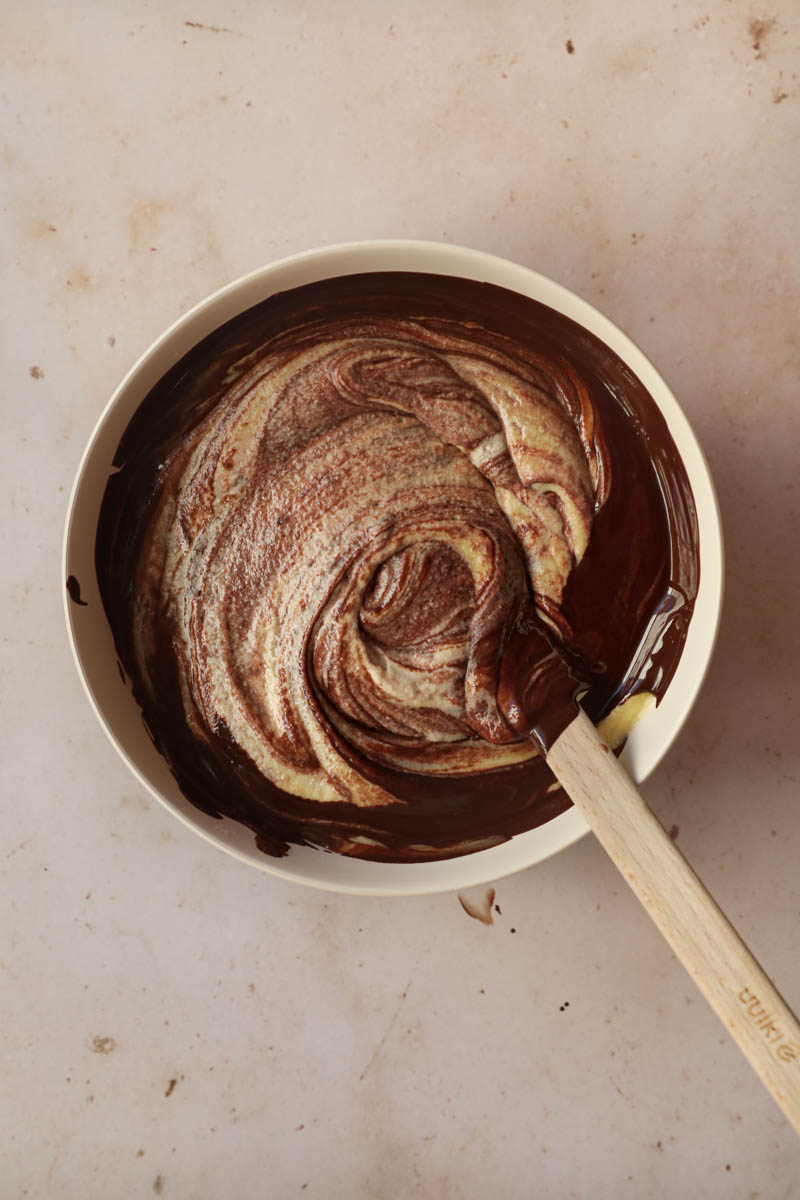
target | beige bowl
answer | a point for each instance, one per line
(93, 646)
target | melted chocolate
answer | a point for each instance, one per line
(617, 626)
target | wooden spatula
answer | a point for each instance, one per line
(745, 1000)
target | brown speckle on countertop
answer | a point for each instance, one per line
(80, 279)
(158, 1184)
(102, 1045)
(210, 28)
(36, 372)
(570, 46)
(758, 30)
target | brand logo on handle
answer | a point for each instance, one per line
(785, 1050)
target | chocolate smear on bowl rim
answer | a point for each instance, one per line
(74, 591)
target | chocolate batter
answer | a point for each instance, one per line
(353, 537)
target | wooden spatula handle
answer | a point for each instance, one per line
(736, 987)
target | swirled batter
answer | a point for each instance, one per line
(339, 527)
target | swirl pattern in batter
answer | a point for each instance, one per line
(339, 549)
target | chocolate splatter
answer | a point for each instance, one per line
(173, 1083)
(570, 46)
(673, 831)
(36, 372)
(481, 912)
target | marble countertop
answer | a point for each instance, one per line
(177, 1024)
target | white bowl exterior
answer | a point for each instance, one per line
(92, 642)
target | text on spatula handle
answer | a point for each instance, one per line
(784, 1049)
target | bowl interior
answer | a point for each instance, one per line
(92, 641)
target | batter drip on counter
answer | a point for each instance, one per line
(353, 535)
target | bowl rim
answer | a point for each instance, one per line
(485, 866)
